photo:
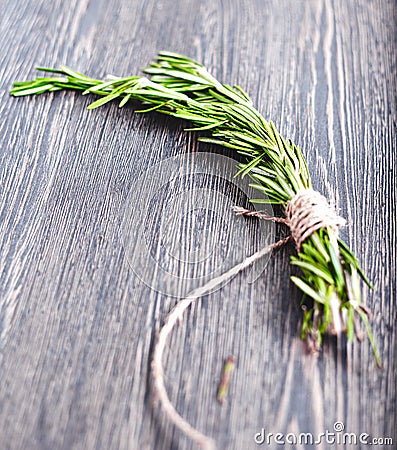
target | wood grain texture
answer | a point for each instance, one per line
(77, 324)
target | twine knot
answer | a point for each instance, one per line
(307, 212)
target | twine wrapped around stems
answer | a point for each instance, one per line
(307, 212)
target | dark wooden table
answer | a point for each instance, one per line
(78, 318)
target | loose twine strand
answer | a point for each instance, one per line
(306, 212)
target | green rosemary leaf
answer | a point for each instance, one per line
(50, 70)
(74, 74)
(35, 89)
(307, 289)
(101, 101)
(220, 142)
(222, 98)
(244, 95)
(312, 254)
(318, 270)
(239, 121)
(176, 74)
(336, 266)
(125, 100)
(171, 56)
(320, 246)
(274, 186)
(99, 87)
(251, 138)
(247, 168)
(306, 328)
(351, 259)
(207, 127)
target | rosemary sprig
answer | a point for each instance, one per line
(184, 89)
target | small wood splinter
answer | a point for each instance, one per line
(225, 381)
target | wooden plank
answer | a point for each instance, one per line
(77, 324)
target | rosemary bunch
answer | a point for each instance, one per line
(184, 89)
